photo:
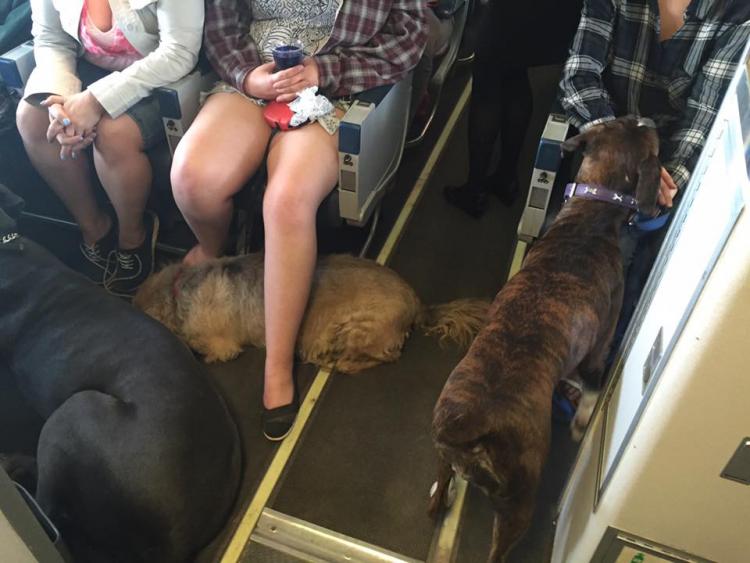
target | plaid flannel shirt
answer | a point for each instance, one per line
(373, 42)
(618, 66)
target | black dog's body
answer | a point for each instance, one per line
(138, 459)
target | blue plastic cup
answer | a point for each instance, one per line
(288, 55)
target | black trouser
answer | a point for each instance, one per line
(512, 37)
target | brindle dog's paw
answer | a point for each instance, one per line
(442, 495)
(583, 414)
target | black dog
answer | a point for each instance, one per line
(138, 460)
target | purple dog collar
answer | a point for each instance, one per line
(600, 193)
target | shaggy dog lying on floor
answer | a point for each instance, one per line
(359, 313)
(138, 460)
(555, 317)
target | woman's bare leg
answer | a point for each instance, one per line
(220, 152)
(125, 173)
(70, 179)
(302, 169)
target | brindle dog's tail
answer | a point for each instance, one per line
(458, 320)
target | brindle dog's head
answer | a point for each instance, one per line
(621, 155)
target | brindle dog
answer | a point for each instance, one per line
(554, 318)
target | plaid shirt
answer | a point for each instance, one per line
(619, 66)
(373, 42)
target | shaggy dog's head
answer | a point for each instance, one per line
(156, 297)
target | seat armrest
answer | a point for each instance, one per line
(16, 66)
(371, 142)
(546, 166)
(179, 103)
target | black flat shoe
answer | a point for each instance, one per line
(278, 422)
(470, 201)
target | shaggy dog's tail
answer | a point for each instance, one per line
(458, 320)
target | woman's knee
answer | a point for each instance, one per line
(285, 206)
(32, 122)
(118, 139)
(195, 180)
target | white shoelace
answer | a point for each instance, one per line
(92, 252)
(126, 260)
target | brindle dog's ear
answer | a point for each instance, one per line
(574, 143)
(647, 190)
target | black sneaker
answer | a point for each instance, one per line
(96, 259)
(131, 267)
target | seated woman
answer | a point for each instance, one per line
(671, 61)
(354, 45)
(97, 62)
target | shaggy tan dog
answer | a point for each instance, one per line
(359, 313)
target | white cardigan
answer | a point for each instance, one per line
(167, 32)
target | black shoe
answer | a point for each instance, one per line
(277, 423)
(130, 268)
(96, 259)
(471, 201)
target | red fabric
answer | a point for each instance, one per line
(278, 115)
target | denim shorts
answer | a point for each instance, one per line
(145, 113)
(330, 122)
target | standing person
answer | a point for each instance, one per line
(353, 45)
(97, 63)
(512, 37)
(669, 60)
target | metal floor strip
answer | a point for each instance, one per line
(244, 530)
(313, 543)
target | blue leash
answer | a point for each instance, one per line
(646, 223)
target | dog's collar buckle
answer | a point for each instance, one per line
(646, 223)
(600, 193)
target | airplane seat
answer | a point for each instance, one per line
(459, 10)
(375, 125)
(548, 177)
(41, 205)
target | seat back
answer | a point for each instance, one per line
(16, 66)
(371, 143)
(546, 166)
